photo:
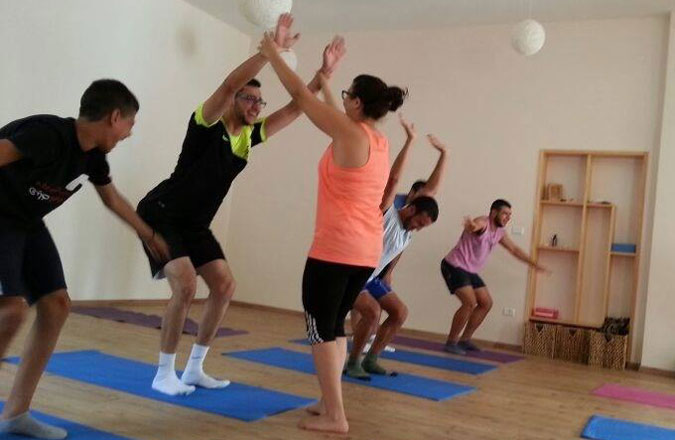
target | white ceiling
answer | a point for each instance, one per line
(361, 15)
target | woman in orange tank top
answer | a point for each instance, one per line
(347, 242)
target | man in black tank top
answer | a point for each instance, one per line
(45, 159)
(220, 135)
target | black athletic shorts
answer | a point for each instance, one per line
(193, 241)
(328, 294)
(456, 278)
(30, 265)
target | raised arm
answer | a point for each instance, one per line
(8, 152)
(281, 118)
(345, 132)
(328, 96)
(434, 181)
(115, 202)
(397, 166)
(218, 103)
(520, 254)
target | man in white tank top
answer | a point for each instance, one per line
(402, 215)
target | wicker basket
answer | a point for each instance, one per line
(539, 339)
(607, 350)
(571, 344)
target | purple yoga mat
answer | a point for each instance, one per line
(494, 356)
(143, 320)
(636, 395)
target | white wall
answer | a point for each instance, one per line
(658, 349)
(596, 85)
(170, 54)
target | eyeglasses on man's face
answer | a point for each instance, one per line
(251, 99)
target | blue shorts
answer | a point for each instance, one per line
(377, 288)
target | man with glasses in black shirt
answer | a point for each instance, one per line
(220, 135)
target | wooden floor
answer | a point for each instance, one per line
(530, 399)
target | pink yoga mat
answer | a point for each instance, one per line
(637, 395)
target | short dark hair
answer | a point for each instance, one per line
(254, 83)
(377, 97)
(499, 204)
(104, 96)
(418, 185)
(425, 204)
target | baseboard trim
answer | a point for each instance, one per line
(656, 371)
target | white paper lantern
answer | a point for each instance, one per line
(264, 13)
(528, 37)
(290, 58)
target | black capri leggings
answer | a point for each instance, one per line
(328, 294)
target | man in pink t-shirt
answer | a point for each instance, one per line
(460, 271)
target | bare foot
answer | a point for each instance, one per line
(324, 423)
(317, 409)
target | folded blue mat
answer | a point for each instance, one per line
(402, 383)
(427, 360)
(239, 401)
(75, 430)
(605, 428)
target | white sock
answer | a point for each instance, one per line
(388, 348)
(166, 380)
(197, 356)
(167, 364)
(194, 370)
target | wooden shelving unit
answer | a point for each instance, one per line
(624, 254)
(605, 194)
(558, 249)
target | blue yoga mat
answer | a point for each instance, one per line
(403, 383)
(239, 401)
(427, 360)
(444, 363)
(75, 430)
(605, 428)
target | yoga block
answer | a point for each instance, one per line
(543, 312)
(539, 339)
(626, 248)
